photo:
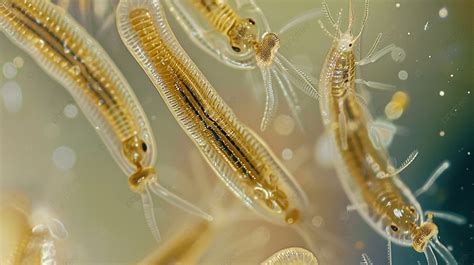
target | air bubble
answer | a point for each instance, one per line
(284, 125)
(18, 62)
(70, 111)
(9, 70)
(443, 12)
(64, 158)
(398, 55)
(12, 96)
(287, 154)
(317, 221)
(403, 75)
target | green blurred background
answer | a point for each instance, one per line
(56, 158)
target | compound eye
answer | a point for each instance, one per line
(394, 228)
(350, 44)
(251, 21)
(236, 49)
(144, 147)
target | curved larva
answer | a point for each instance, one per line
(68, 54)
(234, 152)
(357, 161)
(385, 203)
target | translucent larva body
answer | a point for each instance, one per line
(291, 256)
(236, 154)
(71, 56)
(385, 203)
(237, 34)
(68, 54)
(29, 238)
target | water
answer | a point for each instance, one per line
(50, 152)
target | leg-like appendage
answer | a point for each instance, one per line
(389, 251)
(297, 77)
(177, 201)
(148, 210)
(366, 260)
(398, 54)
(448, 216)
(375, 85)
(290, 97)
(431, 180)
(271, 101)
(404, 165)
(374, 46)
(430, 256)
(443, 251)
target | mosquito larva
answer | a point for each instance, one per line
(244, 43)
(242, 161)
(392, 209)
(292, 256)
(73, 58)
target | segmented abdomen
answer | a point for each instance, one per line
(343, 75)
(219, 14)
(363, 161)
(56, 43)
(240, 159)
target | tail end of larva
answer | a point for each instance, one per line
(149, 212)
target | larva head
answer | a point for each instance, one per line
(242, 35)
(403, 219)
(422, 235)
(345, 40)
(267, 49)
(135, 150)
